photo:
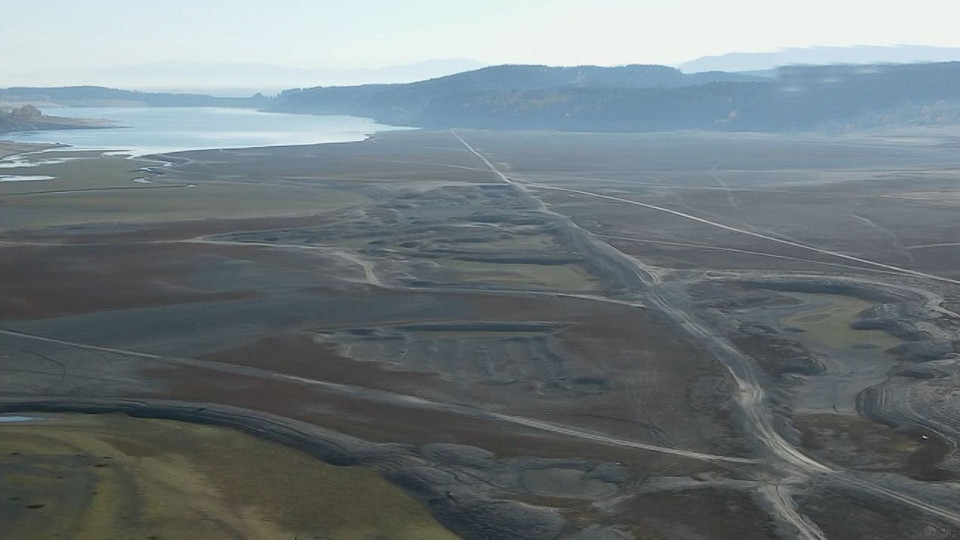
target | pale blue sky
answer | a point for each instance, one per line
(72, 34)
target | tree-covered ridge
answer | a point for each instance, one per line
(645, 98)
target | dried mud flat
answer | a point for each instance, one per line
(534, 335)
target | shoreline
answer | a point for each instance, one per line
(53, 123)
(160, 130)
(11, 149)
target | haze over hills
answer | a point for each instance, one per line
(246, 79)
(864, 54)
(238, 79)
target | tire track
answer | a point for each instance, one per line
(387, 397)
(762, 236)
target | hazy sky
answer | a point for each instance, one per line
(71, 34)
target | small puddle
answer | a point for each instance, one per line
(15, 419)
(19, 178)
(17, 162)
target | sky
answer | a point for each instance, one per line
(39, 36)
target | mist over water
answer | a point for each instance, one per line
(160, 130)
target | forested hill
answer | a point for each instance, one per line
(429, 102)
(646, 98)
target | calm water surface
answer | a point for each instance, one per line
(159, 130)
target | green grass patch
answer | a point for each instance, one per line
(826, 319)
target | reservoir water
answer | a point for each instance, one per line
(154, 130)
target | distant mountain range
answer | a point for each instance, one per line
(821, 56)
(590, 98)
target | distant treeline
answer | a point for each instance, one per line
(98, 96)
(590, 98)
